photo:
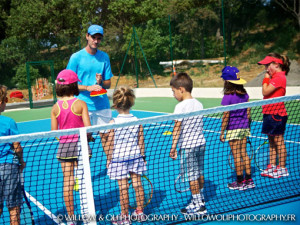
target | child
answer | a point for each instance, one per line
(11, 165)
(126, 155)
(68, 112)
(275, 115)
(236, 122)
(188, 137)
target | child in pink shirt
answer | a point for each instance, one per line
(68, 112)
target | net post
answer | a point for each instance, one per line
(86, 189)
(29, 84)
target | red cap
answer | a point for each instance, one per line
(270, 59)
(67, 77)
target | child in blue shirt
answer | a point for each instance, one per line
(11, 165)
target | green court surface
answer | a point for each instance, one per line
(156, 104)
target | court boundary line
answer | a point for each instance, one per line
(43, 208)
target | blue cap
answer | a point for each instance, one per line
(95, 29)
(230, 73)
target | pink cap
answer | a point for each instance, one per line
(67, 77)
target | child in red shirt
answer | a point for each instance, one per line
(275, 115)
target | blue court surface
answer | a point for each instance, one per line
(165, 199)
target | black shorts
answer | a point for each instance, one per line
(274, 124)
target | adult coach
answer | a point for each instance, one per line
(93, 69)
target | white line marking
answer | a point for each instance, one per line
(44, 209)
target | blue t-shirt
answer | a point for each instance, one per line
(8, 127)
(238, 119)
(86, 66)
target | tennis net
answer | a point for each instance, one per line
(97, 198)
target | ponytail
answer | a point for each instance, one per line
(286, 62)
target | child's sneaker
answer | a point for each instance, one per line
(279, 172)
(71, 223)
(121, 220)
(249, 183)
(139, 216)
(194, 208)
(268, 171)
(237, 186)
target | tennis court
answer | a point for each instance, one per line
(43, 180)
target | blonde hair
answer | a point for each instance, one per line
(123, 98)
(3, 93)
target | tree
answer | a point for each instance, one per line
(20, 79)
(4, 9)
(292, 6)
(196, 26)
(43, 19)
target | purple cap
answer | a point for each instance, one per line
(230, 73)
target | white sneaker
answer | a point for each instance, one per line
(138, 216)
(279, 172)
(194, 208)
(268, 171)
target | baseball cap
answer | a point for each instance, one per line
(230, 73)
(67, 77)
(270, 59)
(95, 29)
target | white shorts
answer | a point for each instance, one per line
(100, 117)
(120, 170)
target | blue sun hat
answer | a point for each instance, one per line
(230, 73)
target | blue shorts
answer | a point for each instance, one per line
(10, 186)
(274, 124)
(192, 162)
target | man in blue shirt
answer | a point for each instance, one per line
(11, 165)
(93, 69)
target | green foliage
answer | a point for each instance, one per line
(20, 79)
(41, 19)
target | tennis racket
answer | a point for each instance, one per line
(262, 156)
(250, 152)
(26, 213)
(148, 192)
(182, 184)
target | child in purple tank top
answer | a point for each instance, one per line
(236, 124)
(68, 112)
